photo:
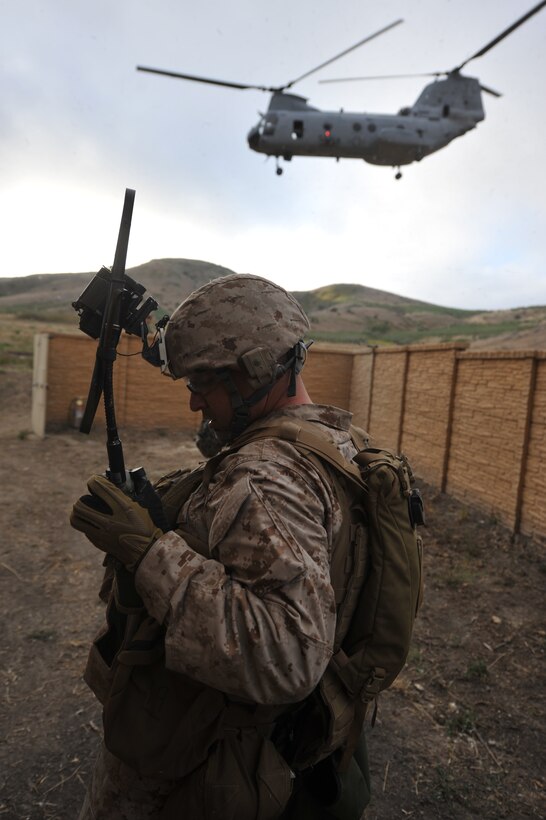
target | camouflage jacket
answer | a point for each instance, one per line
(249, 609)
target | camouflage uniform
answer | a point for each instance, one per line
(253, 613)
(240, 585)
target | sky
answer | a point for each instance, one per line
(464, 228)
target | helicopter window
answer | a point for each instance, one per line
(269, 129)
(297, 130)
(356, 126)
(445, 111)
(372, 127)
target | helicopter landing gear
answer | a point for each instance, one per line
(278, 169)
(398, 174)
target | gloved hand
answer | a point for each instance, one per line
(114, 523)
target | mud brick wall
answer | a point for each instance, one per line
(489, 429)
(143, 398)
(359, 399)
(387, 395)
(70, 361)
(147, 400)
(329, 373)
(472, 423)
(428, 396)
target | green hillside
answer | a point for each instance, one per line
(343, 313)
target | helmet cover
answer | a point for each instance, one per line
(229, 317)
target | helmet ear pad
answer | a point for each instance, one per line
(259, 366)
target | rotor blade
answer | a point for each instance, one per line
(342, 54)
(504, 34)
(490, 91)
(207, 80)
(383, 77)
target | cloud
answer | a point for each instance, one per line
(79, 124)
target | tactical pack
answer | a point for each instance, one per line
(376, 574)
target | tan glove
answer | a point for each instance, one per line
(114, 523)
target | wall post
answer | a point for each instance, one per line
(370, 395)
(525, 443)
(403, 401)
(449, 426)
(39, 384)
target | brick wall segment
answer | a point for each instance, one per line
(146, 399)
(386, 405)
(488, 431)
(70, 364)
(361, 384)
(328, 374)
(425, 430)
(491, 408)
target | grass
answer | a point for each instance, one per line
(416, 658)
(461, 723)
(382, 334)
(477, 670)
(43, 635)
(448, 789)
(17, 338)
(464, 572)
(47, 316)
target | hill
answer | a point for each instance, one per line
(50, 295)
(358, 314)
(344, 313)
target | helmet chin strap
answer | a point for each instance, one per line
(241, 407)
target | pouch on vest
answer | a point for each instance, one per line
(244, 776)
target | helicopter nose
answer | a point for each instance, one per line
(253, 138)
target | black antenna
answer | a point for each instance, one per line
(102, 379)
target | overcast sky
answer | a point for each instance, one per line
(465, 227)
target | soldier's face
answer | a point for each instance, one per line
(215, 405)
(210, 396)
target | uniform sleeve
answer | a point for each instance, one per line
(256, 618)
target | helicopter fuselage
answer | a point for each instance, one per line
(291, 127)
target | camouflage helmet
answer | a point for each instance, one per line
(239, 321)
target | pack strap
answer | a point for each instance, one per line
(368, 693)
(361, 708)
(302, 435)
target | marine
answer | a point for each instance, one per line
(221, 623)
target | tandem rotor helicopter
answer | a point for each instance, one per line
(445, 109)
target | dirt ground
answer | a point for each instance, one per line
(460, 735)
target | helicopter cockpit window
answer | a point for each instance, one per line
(297, 130)
(267, 125)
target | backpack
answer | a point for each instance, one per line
(376, 574)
